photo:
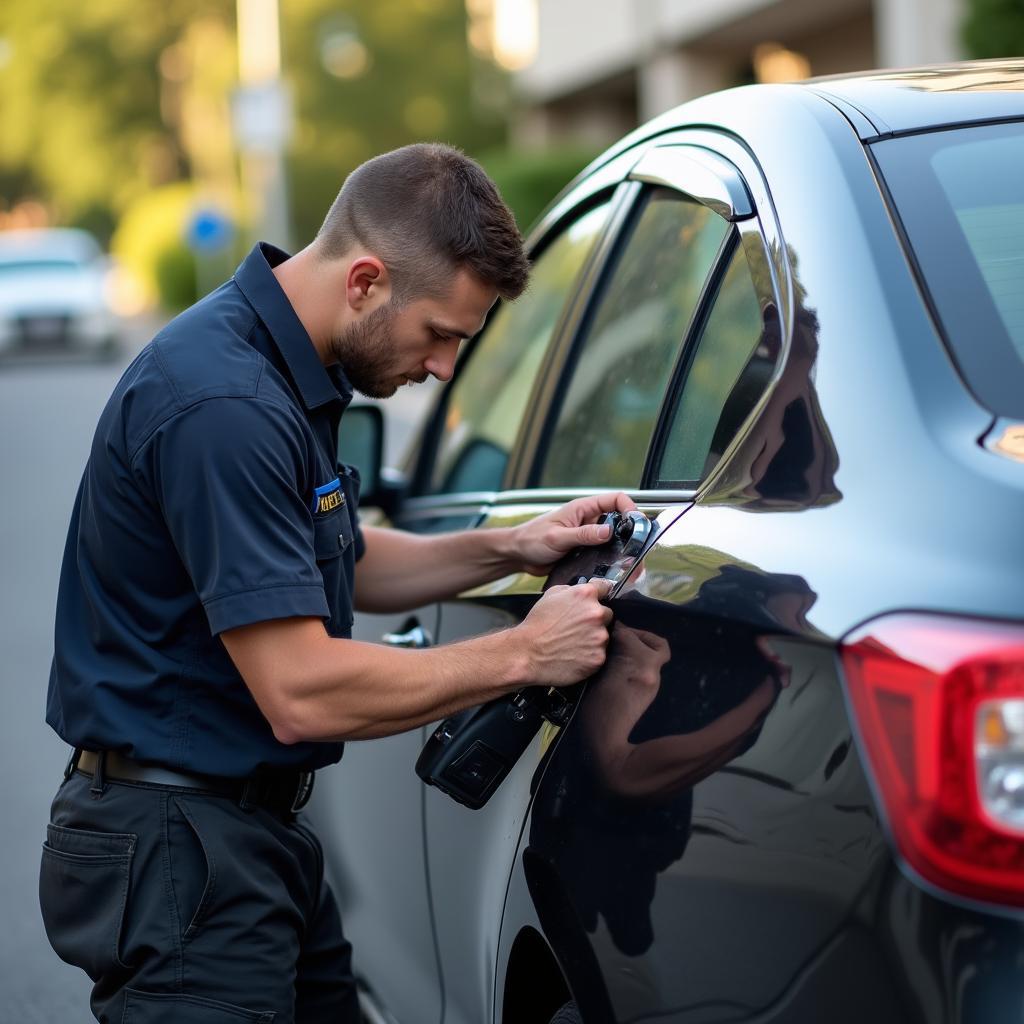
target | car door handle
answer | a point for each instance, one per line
(416, 636)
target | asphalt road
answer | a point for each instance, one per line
(48, 410)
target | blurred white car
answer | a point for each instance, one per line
(54, 292)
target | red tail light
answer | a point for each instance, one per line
(939, 703)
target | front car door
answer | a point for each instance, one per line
(683, 236)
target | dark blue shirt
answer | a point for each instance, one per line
(212, 499)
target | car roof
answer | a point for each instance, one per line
(916, 99)
(876, 105)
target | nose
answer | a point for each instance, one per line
(442, 365)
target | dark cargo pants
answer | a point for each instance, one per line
(183, 908)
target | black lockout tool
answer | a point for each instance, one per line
(469, 754)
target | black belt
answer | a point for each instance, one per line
(283, 792)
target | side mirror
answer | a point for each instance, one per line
(361, 444)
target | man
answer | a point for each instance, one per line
(203, 665)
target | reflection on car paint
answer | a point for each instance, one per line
(788, 459)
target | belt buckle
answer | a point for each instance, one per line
(303, 791)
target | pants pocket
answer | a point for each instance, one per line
(83, 891)
(193, 869)
(179, 1008)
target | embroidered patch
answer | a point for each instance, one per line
(328, 497)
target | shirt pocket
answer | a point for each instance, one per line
(332, 534)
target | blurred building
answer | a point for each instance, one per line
(590, 70)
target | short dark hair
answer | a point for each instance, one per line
(425, 210)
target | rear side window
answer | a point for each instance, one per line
(486, 402)
(960, 197)
(728, 372)
(623, 365)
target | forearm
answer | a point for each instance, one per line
(403, 570)
(313, 687)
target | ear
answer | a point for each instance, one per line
(367, 283)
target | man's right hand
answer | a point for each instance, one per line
(566, 633)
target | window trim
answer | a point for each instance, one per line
(640, 198)
(699, 173)
(548, 391)
(672, 159)
(748, 233)
(684, 362)
(613, 179)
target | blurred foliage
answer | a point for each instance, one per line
(529, 180)
(106, 110)
(402, 72)
(150, 242)
(81, 94)
(994, 28)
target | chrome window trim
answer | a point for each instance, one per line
(479, 502)
(451, 499)
(556, 496)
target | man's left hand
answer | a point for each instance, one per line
(547, 539)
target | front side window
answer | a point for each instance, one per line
(623, 366)
(729, 371)
(486, 402)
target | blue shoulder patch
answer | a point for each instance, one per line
(328, 497)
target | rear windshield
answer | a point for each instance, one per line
(960, 196)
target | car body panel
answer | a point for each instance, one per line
(739, 868)
(373, 803)
(472, 891)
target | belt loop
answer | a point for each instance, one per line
(245, 802)
(70, 766)
(98, 780)
(303, 791)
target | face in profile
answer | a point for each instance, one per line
(406, 342)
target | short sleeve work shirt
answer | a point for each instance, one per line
(212, 499)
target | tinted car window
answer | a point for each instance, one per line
(728, 373)
(624, 364)
(960, 197)
(486, 402)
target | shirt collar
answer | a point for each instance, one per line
(317, 384)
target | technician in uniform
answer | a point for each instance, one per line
(203, 668)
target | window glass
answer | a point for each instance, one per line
(625, 362)
(960, 196)
(730, 369)
(487, 400)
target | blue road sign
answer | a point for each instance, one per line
(209, 230)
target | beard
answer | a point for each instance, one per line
(365, 352)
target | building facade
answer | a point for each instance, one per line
(603, 66)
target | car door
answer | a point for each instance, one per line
(600, 428)
(370, 809)
(703, 835)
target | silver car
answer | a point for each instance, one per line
(54, 292)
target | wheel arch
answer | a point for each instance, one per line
(535, 987)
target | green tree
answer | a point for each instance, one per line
(994, 28)
(107, 108)
(367, 78)
(88, 117)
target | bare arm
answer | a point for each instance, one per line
(405, 570)
(311, 686)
